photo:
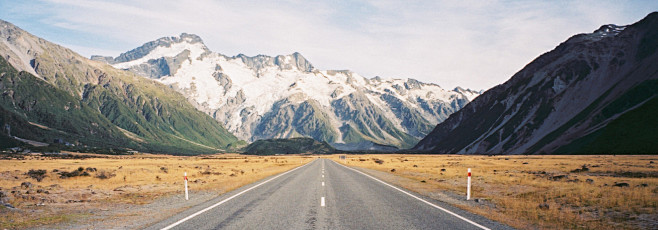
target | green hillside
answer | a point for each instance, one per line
(26, 99)
(634, 132)
(154, 118)
(299, 145)
(631, 133)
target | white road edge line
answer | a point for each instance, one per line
(418, 198)
(227, 199)
(322, 201)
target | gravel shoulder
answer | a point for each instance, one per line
(131, 216)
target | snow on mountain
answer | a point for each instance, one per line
(285, 96)
(51, 92)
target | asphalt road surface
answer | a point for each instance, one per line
(324, 195)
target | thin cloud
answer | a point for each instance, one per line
(475, 44)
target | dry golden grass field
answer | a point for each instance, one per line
(59, 190)
(527, 192)
(533, 192)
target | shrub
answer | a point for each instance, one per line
(38, 174)
(79, 172)
(104, 174)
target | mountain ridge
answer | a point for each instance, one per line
(261, 97)
(558, 98)
(127, 107)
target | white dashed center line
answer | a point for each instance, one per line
(322, 183)
(322, 201)
(230, 198)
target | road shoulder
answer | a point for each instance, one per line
(445, 199)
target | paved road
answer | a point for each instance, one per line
(324, 195)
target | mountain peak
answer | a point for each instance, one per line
(183, 37)
(87, 96)
(460, 89)
(263, 97)
(564, 101)
(609, 30)
(190, 38)
(286, 62)
(301, 62)
(145, 49)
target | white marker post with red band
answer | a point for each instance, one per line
(186, 196)
(468, 187)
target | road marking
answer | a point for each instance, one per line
(322, 176)
(322, 183)
(417, 198)
(322, 201)
(227, 199)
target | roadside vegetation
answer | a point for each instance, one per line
(38, 190)
(528, 192)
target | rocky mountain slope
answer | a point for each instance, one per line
(594, 93)
(49, 92)
(265, 97)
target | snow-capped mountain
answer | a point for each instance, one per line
(594, 93)
(50, 92)
(285, 96)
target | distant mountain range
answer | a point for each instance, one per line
(265, 97)
(52, 95)
(594, 93)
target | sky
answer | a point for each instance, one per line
(472, 44)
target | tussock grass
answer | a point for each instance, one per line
(103, 179)
(548, 192)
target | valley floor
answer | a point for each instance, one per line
(532, 192)
(79, 191)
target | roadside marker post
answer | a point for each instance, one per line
(468, 187)
(186, 194)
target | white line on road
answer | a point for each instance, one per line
(227, 199)
(322, 183)
(322, 201)
(322, 176)
(417, 198)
